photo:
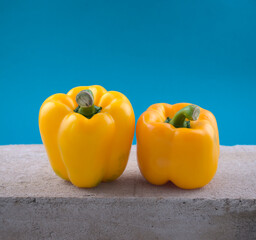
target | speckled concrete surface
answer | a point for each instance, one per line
(36, 204)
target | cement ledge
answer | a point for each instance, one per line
(36, 204)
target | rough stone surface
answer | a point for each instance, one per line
(36, 204)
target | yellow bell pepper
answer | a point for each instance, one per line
(87, 134)
(177, 143)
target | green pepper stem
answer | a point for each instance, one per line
(86, 107)
(190, 112)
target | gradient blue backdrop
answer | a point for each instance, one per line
(203, 52)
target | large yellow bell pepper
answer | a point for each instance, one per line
(178, 143)
(90, 142)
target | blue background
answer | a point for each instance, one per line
(203, 52)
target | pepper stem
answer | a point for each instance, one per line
(85, 101)
(190, 112)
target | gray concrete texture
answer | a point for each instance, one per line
(36, 204)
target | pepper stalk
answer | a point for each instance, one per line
(85, 101)
(190, 112)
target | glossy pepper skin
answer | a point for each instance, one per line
(87, 151)
(188, 157)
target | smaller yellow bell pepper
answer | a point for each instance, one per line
(177, 143)
(87, 134)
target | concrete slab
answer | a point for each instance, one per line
(36, 204)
